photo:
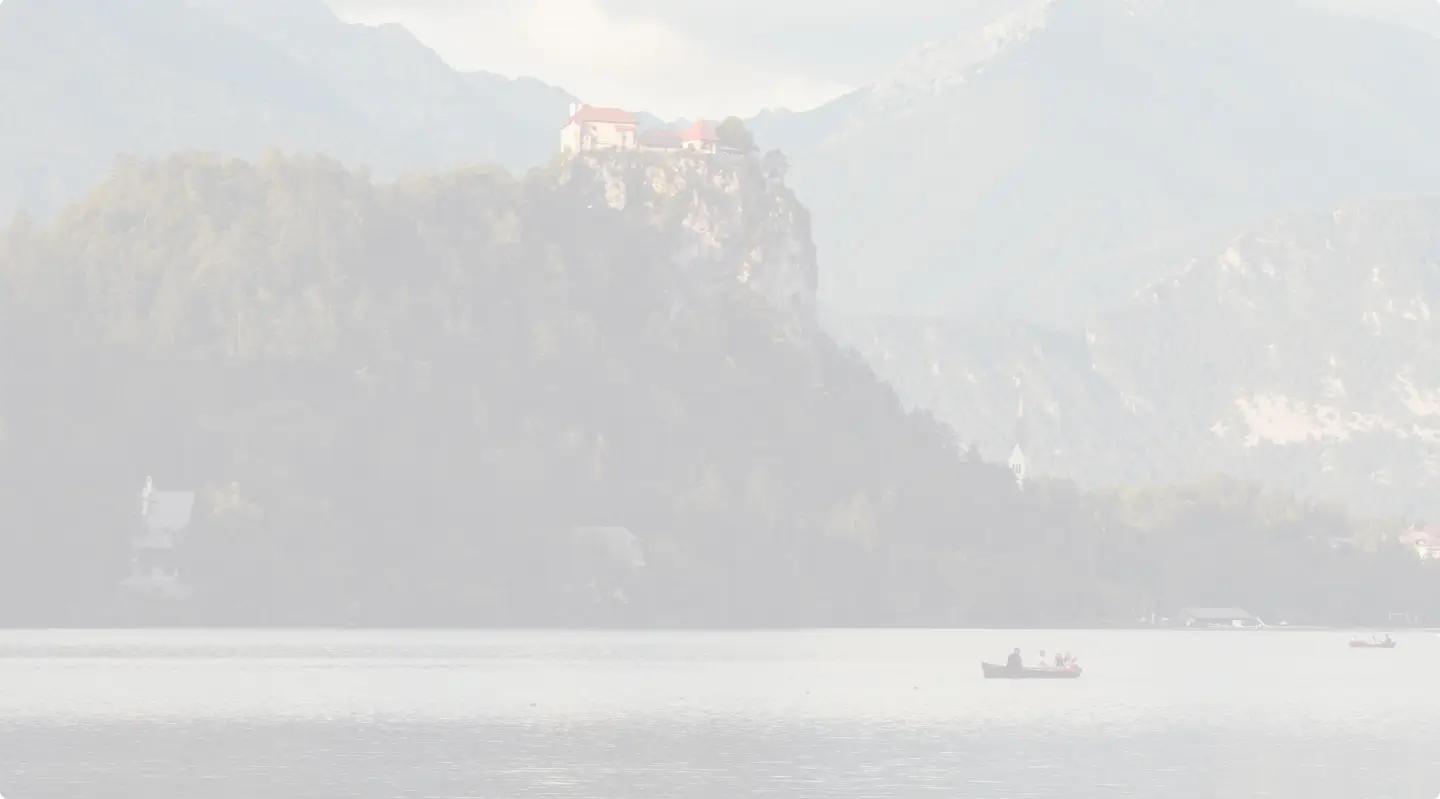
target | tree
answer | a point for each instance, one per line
(733, 133)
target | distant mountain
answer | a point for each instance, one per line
(1307, 352)
(1044, 166)
(1421, 15)
(83, 81)
(1305, 355)
(1003, 384)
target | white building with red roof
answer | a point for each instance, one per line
(591, 128)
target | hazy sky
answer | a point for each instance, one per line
(679, 57)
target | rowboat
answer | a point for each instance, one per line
(1373, 644)
(994, 672)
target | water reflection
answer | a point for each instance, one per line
(711, 715)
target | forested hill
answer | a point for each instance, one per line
(408, 403)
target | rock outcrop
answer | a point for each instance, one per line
(1304, 355)
(731, 221)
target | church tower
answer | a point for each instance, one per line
(1019, 465)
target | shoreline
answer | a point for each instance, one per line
(362, 629)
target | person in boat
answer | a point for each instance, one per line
(1387, 639)
(1015, 662)
(1042, 663)
(1059, 660)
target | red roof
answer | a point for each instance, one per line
(700, 130)
(615, 116)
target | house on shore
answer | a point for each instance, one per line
(164, 520)
(591, 128)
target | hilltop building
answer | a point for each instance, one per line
(591, 128)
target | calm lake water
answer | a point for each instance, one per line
(268, 715)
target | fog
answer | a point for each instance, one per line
(1010, 398)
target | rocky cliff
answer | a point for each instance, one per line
(1304, 351)
(1303, 354)
(730, 221)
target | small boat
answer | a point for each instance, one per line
(1359, 644)
(994, 672)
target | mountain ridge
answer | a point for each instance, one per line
(1300, 354)
(1064, 175)
(89, 81)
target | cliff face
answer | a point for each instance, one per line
(1302, 355)
(729, 221)
(999, 385)
(1304, 351)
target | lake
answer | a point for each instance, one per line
(702, 715)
